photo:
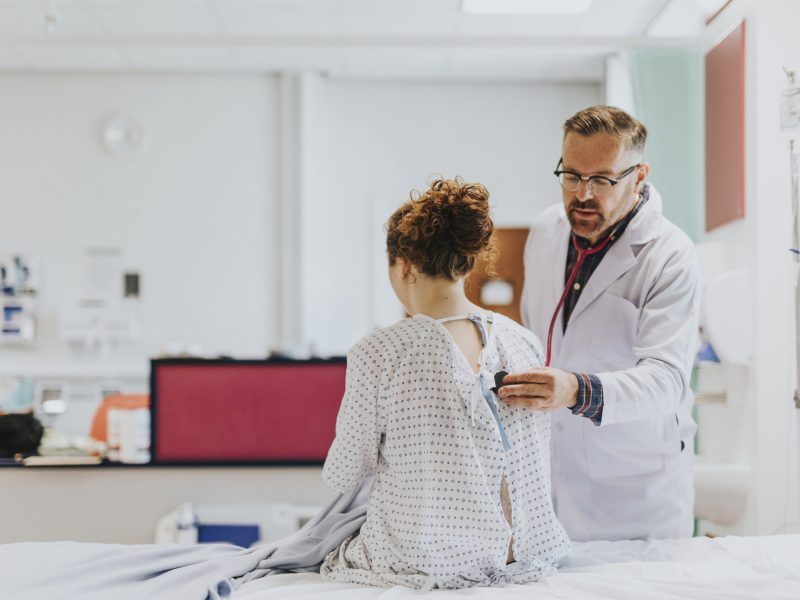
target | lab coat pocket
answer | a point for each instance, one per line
(614, 325)
(625, 449)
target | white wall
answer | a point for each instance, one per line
(381, 140)
(760, 415)
(191, 211)
(773, 42)
(197, 209)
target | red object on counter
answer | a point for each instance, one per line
(228, 411)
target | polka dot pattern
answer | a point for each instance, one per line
(413, 415)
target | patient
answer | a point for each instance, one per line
(461, 495)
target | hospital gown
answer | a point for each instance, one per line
(413, 415)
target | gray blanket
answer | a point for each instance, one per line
(67, 570)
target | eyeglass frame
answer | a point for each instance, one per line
(588, 178)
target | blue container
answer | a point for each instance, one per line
(239, 535)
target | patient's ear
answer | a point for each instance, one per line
(404, 267)
(412, 274)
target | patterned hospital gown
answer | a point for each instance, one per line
(414, 416)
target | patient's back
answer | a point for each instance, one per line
(468, 339)
(414, 415)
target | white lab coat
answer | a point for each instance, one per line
(635, 327)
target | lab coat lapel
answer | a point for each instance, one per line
(620, 258)
(559, 263)
(614, 265)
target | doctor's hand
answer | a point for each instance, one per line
(543, 388)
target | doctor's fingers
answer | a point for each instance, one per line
(537, 375)
(534, 403)
(526, 389)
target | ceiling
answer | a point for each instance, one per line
(392, 39)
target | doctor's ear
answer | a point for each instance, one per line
(641, 175)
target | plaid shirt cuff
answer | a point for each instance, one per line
(590, 398)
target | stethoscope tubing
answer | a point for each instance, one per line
(582, 254)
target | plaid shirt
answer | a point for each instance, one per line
(590, 388)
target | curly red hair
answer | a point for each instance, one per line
(444, 230)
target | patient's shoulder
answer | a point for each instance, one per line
(392, 342)
(509, 327)
(513, 335)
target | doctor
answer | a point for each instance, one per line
(611, 288)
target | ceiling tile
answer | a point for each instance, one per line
(277, 5)
(438, 22)
(608, 18)
(17, 21)
(417, 6)
(412, 17)
(36, 5)
(155, 20)
(30, 19)
(146, 4)
(604, 18)
(299, 17)
(514, 25)
(679, 18)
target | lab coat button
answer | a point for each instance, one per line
(560, 426)
(563, 476)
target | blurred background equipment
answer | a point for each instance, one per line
(18, 286)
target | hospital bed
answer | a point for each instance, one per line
(740, 568)
(764, 568)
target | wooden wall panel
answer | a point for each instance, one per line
(725, 168)
(508, 267)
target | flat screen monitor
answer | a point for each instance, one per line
(274, 411)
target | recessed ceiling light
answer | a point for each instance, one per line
(526, 7)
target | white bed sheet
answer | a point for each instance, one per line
(730, 568)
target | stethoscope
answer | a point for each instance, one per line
(582, 254)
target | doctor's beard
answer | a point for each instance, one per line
(588, 225)
(595, 224)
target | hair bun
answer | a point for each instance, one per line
(443, 230)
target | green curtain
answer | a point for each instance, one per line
(668, 99)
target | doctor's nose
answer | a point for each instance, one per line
(584, 191)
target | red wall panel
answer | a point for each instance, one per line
(725, 124)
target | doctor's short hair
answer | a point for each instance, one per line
(611, 121)
(443, 231)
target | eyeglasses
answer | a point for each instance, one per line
(599, 185)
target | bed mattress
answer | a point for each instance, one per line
(729, 568)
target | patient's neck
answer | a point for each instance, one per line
(437, 297)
